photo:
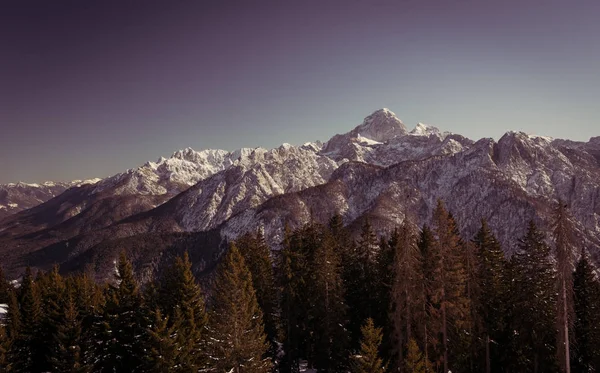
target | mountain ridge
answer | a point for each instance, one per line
(392, 175)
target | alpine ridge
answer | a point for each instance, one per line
(379, 170)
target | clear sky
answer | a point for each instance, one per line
(91, 88)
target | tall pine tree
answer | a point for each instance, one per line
(406, 292)
(368, 360)
(121, 327)
(490, 301)
(452, 297)
(563, 240)
(182, 302)
(237, 341)
(586, 356)
(533, 296)
(257, 255)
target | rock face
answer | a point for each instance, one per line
(378, 170)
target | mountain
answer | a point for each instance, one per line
(21, 196)
(379, 170)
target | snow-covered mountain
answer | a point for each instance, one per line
(21, 196)
(380, 170)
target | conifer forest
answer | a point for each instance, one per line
(417, 300)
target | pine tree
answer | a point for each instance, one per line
(329, 309)
(67, 341)
(27, 352)
(406, 292)
(362, 282)
(452, 297)
(5, 288)
(182, 301)
(121, 326)
(562, 234)
(237, 341)
(415, 360)
(290, 282)
(368, 360)
(13, 317)
(534, 298)
(491, 297)
(52, 290)
(162, 352)
(430, 270)
(257, 255)
(586, 356)
(89, 302)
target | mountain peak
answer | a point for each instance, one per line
(381, 125)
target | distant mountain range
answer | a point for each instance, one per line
(380, 170)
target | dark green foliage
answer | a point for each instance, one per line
(236, 338)
(533, 299)
(291, 282)
(329, 309)
(121, 325)
(362, 283)
(406, 306)
(440, 303)
(313, 305)
(428, 331)
(257, 255)
(449, 294)
(5, 288)
(67, 341)
(181, 300)
(586, 355)
(563, 239)
(162, 353)
(28, 349)
(490, 300)
(415, 360)
(368, 360)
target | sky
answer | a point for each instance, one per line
(92, 88)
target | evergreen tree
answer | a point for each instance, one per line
(257, 255)
(586, 356)
(415, 360)
(362, 282)
(329, 310)
(562, 234)
(120, 346)
(534, 298)
(237, 341)
(162, 352)
(182, 302)
(368, 360)
(291, 282)
(406, 292)
(452, 297)
(89, 302)
(52, 290)
(13, 317)
(491, 298)
(5, 288)
(67, 339)
(28, 348)
(431, 284)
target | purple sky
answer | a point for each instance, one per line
(91, 88)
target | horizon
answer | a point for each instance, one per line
(91, 90)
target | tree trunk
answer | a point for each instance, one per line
(566, 326)
(445, 336)
(487, 354)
